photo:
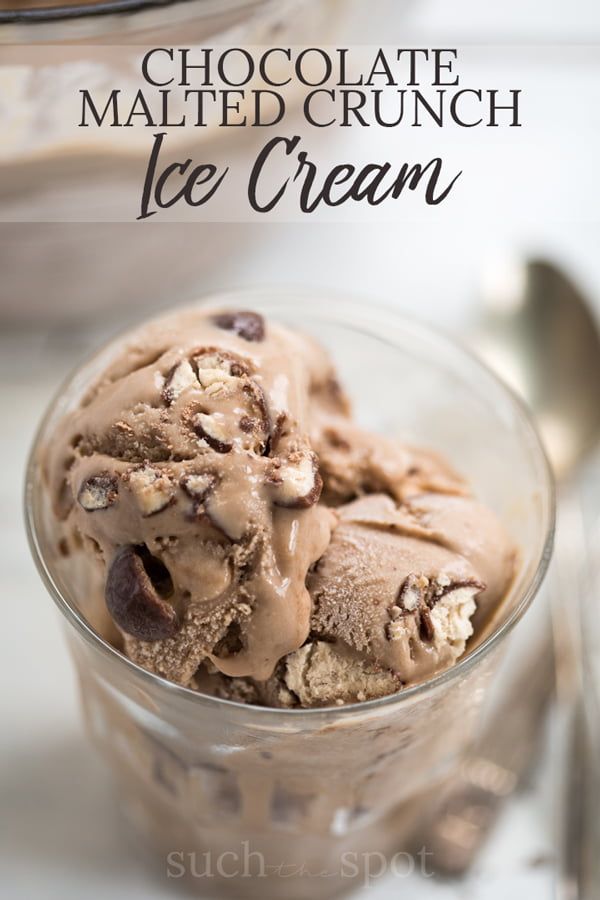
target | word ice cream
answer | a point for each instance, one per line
(248, 539)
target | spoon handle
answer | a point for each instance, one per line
(579, 868)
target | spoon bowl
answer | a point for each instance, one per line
(544, 341)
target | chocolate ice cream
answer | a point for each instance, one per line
(250, 539)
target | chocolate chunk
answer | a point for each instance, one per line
(258, 415)
(277, 432)
(212, 358)
(153, 490)
(200, 487)
(418, 595)
(418, 591)
(231, 528)
(180, 378)
(413, 593)
(197, 485)
(248, 424)
(136, 592)
(98, 492)
(426, 629)
(248, 325)
(217, 382)
(295, 481)
(445, 586)
(234, 410)
(213, 431)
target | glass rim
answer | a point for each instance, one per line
(376, 312)
(81, 10)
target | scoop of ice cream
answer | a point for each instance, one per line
(393, 600)
(248, 539)
(354, 462)
(401, 600)
(188, 467)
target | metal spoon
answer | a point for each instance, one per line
(541, 337)
(544, 340)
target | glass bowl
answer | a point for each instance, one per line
(300, 800)
(69, 196)
(29, 21)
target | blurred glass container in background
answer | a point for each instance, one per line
(63, 188)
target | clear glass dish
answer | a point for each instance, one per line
(296, 800)
(29, 21)
(64, 188)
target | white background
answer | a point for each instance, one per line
(63, 835)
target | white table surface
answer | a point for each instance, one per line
(63, 837)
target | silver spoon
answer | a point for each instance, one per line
(544, 340)
(541, 337)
